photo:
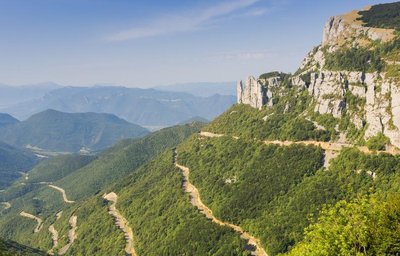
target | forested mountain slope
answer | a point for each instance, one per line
(13, 163)
(82, 179)
(70, 132)
(9, 248)
(291, 166)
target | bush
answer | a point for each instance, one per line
(378, 142)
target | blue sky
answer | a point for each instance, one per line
(143, 43)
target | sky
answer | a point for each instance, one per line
(145, 43)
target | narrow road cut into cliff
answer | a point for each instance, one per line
(195, 200)
(121, 223)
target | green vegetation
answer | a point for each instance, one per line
(281, 75)
(118, 161)
(85, 180)
(354, 59)
(365, 59)
(56, 131)
(378, 142)
(235, 177)
(13, 161)
(163, 220)
(98, 234)
(240, 181)
(58, 167)
(10, 248)
(382, 16)
(365, 226)
(284, 121)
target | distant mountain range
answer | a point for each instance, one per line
(6, 119)
(11, 95)
(147, 107)
(52, 130)
(202, 89)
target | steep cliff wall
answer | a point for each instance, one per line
(258, 92)
(367, 93)
(252, 93)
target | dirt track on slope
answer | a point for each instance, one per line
(54, 234)
(54, 237)
(64, 195)
(33, 217)
(7, 205)
(71, 235)
(333, 146)
(121, 223)
(195, 200)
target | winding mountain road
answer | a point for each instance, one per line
(121, 223)
(33, 217)
(54, 234)
(195, 200)
(71, 235)
(332, 146)
(6, 205)
(64, 195)
(54, 237)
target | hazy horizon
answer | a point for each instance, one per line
(151, 43)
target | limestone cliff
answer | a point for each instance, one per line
(258, 92)
(368, 92)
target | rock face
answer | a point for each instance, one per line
(346, 28)
(370, 100)
(252, 93)
(257, 92)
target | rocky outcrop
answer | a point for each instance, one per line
(251, 93)
(257, 92)
(370, 100)
(347, 29)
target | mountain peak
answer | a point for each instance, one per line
(350, 29)
(353, 75)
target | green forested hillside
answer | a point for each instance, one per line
(271, 123)
(162, 219)
(271, 191)
(362, 226)
(10, 248)
(57, 131)
(85, 186)
(118, 161)
(12, 162)
(58, 167)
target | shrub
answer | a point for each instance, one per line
(378, 142)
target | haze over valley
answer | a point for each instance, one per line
(299, 156)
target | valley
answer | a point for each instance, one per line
(305, 163)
